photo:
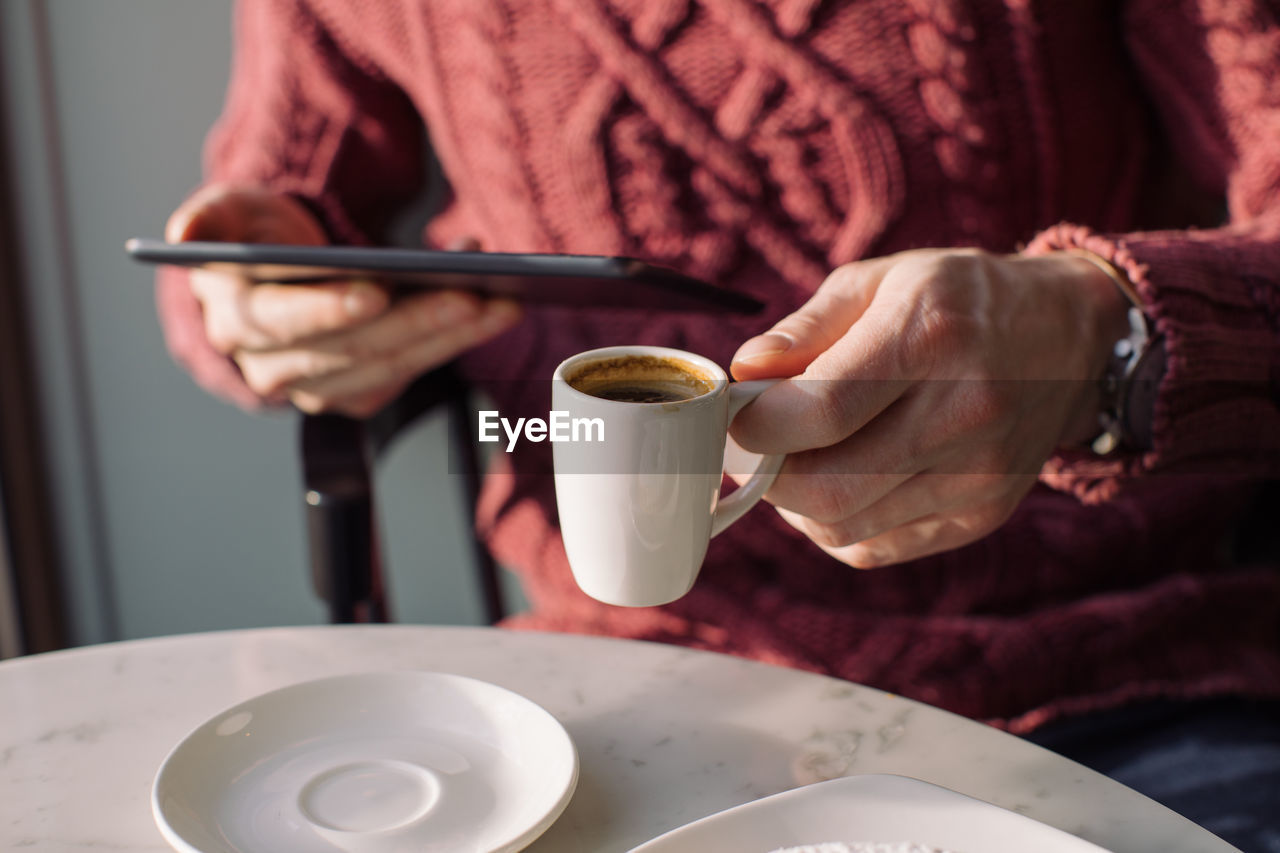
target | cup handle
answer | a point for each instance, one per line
(734, 505)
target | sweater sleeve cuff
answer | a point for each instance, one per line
(1089, 477)
(1201, 293)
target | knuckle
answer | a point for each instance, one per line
(307, 364)
(864, 557)
(825, 498)
(305, 401)
(221, 330)
(328, 312)
(981, 407)
(206, 286)
(220, 338)
(283, 314)
(261, 379)
(953, 270)
(314, 364)
(943, 319)
(937, 334)
(297, 315)
(830, 535)
(842, 279)
(829, 420)
(962, 264)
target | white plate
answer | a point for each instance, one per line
(868, 809)
(371, 763)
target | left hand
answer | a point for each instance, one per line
(345, 347)
(929, 387)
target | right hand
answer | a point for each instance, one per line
(344, 347)
(927, 390)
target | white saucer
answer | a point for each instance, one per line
(879, 809)
(372, 763)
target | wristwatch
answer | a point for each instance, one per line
(1129, 389)
(1132, 379)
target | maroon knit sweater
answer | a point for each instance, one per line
(760, 143)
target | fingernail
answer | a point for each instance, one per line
(763, 346)
(362, 299)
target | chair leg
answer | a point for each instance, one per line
(340, 525)
(338, 538)
(337, 454)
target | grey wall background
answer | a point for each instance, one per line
(176, 512)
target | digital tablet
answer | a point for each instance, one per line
(577, 280)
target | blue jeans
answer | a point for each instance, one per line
(1216, 762)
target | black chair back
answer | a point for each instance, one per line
(339, 462)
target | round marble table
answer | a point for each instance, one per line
(665, 735)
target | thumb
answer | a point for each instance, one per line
(230, 213)
(203, 216)
(800, 337)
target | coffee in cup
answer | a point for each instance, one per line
(641, 379)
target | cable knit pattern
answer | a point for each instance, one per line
(955, 95)
(760, 143)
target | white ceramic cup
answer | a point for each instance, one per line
(638, 508)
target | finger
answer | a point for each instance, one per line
(800, 337)
(932, 534)
(222, 212)
(829, 499)
(832, 483)
(241, 316)
(841, 393)
(812, 412)
(826, 500)
(219, 294)
(397, 368)
(912, 498)
(413, 319)
(207, 215)
(406, 325)
(855, 378)
(276, 315)
(463, 244)
(275, 372)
